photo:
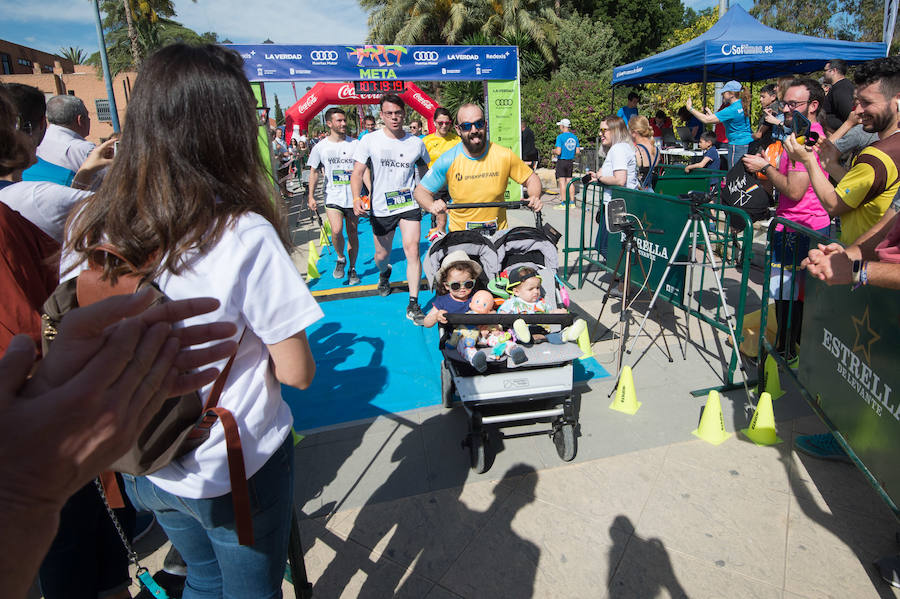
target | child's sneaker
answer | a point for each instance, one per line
(518, 355)
(523, 334)
(479, 361)
(572, 333)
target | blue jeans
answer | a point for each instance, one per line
(735, 153)
(203, 531)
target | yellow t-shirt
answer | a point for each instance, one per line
(869, 187)
(437, 145)
(472, 180)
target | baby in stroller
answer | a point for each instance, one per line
(457, 279)
(524, 284)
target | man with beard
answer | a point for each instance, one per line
(475, 171)
(863, 195)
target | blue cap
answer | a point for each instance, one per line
(732, 86)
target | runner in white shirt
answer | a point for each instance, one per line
(393, 157)
(334, 156)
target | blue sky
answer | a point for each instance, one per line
(62, 23)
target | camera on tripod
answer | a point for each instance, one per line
(615, 213)
(699, 197)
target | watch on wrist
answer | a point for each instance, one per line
(855, 269)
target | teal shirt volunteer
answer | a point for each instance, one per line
(567, 143)
(737, 125)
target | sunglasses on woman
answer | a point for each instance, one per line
(468, 126)
(457, 285)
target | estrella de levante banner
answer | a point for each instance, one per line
(376, 62)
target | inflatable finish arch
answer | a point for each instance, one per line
(324, 94)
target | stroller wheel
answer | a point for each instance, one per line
(564, 439)
(477, 453)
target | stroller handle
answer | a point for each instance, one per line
(517, 205)
(508, 319)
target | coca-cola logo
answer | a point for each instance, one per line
(346, 92)
(423, 101)
(307, 103)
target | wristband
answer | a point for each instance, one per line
(864, 273)
(855, 269)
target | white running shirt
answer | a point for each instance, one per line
(393, 165)
(336, 158)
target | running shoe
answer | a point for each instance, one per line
(339, 268)
(823, 446)
(384, 283)
(354, 278)
(414, 312)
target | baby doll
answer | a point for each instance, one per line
(492, 336)
(525, 286)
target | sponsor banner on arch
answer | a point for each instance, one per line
(376, 62)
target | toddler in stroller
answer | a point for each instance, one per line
(524, 283)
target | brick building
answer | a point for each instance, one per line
(55, 75)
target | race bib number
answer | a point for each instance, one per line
(340, 177)
(488, 227)
(398, 200)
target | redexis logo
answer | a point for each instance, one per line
(425, 56)
(745, 49)
(323, 55)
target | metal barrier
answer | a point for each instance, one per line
(658, 211)
(848, 369)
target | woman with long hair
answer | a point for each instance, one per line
(646, 153)
(619, 167)
(190, 207)
(733, 115)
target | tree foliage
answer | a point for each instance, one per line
(73, 53)
(154, 28)
(640, 26)
(798, 16)
(279, 113)
(545, 102)
(417, 21)
(863, 20)
(587, 49)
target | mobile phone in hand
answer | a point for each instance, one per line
(115, 148)
(800, 126)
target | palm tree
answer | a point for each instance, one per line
(73, 53)
(520, 20)
(417, 21)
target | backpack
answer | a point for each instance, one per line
(182, 423)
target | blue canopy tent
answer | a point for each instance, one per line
(740, 47)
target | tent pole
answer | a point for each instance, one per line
(704, 86)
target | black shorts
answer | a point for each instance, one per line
(564, 168)
(382, 225)
(348, 212)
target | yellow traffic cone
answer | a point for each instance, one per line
(773, 381)
(625, 399)
(762, 426)
(313, 252)
(311, 271)
(326, 225)
(584, 344)
(323, 238)
(712, 423)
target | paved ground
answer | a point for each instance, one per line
(391, 508)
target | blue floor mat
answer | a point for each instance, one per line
(365, 263)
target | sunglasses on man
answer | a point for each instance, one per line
(466, 127)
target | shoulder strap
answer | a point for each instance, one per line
(90, 286)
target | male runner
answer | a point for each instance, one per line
(334, 156)
(476, 170)
(368, 126)
(443, 138)
(415, 128)
(393, 156)
(566, 148)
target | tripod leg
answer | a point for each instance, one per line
(612, 283)
(735, 348)
(662, 282)
(302, 587)
(622, 313)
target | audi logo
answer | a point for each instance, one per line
(323, 55)
(425, 55)
(503, 102)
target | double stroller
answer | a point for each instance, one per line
(540, 389)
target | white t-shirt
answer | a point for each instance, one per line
(337, 160)
(262, 292)
(393, 165)
(620, 158)
(46, 205)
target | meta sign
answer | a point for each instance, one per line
(376, 62)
